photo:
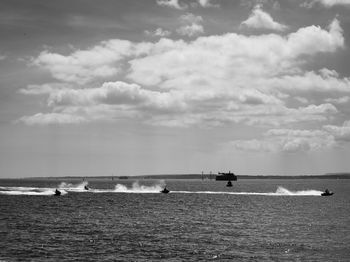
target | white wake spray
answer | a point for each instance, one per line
(73, 187)
(64, 188)
(281, 191)
(137, 188)
(29, 191)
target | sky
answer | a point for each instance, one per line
(137, 87)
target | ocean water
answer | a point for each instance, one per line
(128, 220)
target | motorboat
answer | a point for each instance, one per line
(327, 193)
(165, 191)
(229, 184)
(57, 192)
(86, 188)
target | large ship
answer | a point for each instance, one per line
(226, 176)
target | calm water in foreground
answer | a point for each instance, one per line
(255, 220)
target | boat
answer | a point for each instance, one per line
(229, 184)
(86, 188)
(327, 193)
(226, 177)
(57, 192)
(165, 191)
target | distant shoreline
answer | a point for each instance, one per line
(194, 176)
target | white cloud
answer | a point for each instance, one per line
(287, 140)
(301, 43)
(51, 118)
(158, 32)
(191, 18)
(44, 89)
(259, 19)
(326, 3)
(190, 30)
(172, 3)
(231, 58)
(308, 83)
(83, 66)
(341, 133)
(116, 93)
(340, 100)
(212, 80)
(207, 3)
(192, 25)
(261, 54)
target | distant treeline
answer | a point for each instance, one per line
(202, 176)
(212, 176)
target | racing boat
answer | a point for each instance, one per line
(165, 191)
(327, 193)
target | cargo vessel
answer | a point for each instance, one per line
(226, 177)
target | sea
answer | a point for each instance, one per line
(199, 220)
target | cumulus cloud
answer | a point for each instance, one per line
(212, 80)
(341, 133)
(207, 3)
(51, 118)
(107, 101)
(340, 100)
(44, 89)
(309, 82)
(192, 25)
(158, 32)
(83, 66)
(116, 93)
(261, 54)
(326, 3)
(290, 140)
(190, 30)
(215, 59)
(259, 19)
(287, 140)
(172, 3)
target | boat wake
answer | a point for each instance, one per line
(29, 191)
(64, 188)
(73, 187)
(135, 188)
(281, 191)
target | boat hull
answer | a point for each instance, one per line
(327, 194)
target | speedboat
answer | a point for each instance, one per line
(86, 188)
(327, 193)
(229, 184)
(57, 193)
(165, 191)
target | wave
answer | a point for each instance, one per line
(29, 191)
(281, 191)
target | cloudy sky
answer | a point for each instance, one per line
(133, 87)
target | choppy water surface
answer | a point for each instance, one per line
(120, 220)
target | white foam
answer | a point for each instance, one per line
(135, 188)
(29, 191)
(281, 191)
(73, 187)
